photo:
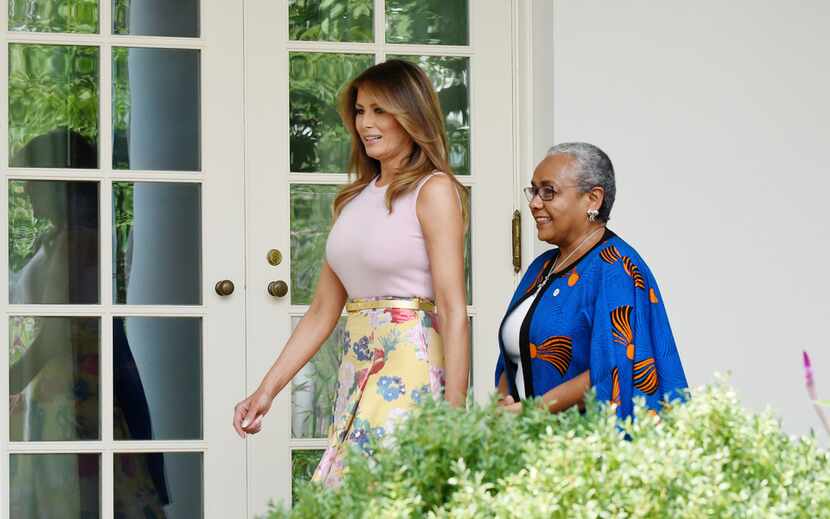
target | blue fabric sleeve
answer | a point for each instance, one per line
(499, 368)
(633, 353)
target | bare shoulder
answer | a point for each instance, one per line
(438, 193)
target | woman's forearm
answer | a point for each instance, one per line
(502, 387)
(568, 393)
(455, 334)
(36, 356)
(306, 340)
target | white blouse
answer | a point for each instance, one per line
(510, 336)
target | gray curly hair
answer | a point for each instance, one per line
(594, 170)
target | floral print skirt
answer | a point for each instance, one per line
(392, 359)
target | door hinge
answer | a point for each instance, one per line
(517, 241)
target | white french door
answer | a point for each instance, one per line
(298, 54)
(122, 206)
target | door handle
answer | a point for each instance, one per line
(278, 288)
(517, 241)
(224, 288)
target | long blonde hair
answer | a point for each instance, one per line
(404, 91)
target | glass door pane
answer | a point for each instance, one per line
(53, 106)
(55, 485)
(71, 16)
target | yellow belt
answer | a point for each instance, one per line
(405, 304)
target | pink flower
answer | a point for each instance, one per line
(401, 315)
(436, 381)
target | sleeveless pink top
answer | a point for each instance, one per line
(375, 253)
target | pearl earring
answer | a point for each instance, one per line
(592, 215)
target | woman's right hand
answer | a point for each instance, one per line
(315, 326)
(508, 404)
(247, 415)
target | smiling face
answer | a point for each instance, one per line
(563, 220)
(383, 138)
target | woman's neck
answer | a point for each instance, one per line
(386, 176)
(390, 167)
(577, 247)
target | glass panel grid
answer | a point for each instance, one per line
(420, 31)
(89, 77)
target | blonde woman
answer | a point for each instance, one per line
(394, 258)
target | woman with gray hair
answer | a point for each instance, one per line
(587, 313)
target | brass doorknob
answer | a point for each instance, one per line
(224, 287)
(277, 288)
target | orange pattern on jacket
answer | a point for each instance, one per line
(557, 350)
(623, 334)
(632, 270)
(652, 296)
(610, 254)
(645, 376)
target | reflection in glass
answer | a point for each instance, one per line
(314, 388)
(321, 20)
(156, 109)
(176, 492)
(439, 22)
(54, 385)
(303, 463)
(55, 485)
(177, 18)
(311, 213)
(53, 242)
(319, 142)
(76, 16)
(157, 364)
(450, 77)
(157, 229)
(53, 106)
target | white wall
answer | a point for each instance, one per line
(715, 115)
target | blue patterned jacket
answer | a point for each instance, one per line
(604, 313)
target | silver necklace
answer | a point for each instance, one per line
(553, 268)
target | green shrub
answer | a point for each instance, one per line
(706, 458)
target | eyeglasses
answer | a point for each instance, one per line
(545, 192)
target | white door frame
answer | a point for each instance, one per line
(221, 47)
(493, 165)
